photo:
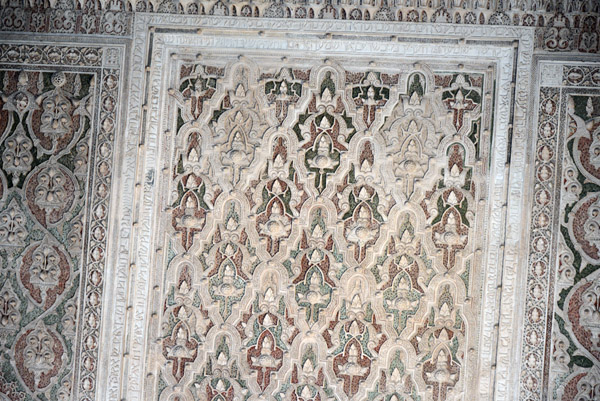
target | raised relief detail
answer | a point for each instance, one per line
(44, 272)
(589, 313)
(38, 356)
(48, 184)
(321, 231)
(54, 190)
(13, 229)
(17, 157)
(10, 315)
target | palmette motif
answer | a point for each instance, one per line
(47, 131)
(309, 247)
(576, 334)
(320, 233)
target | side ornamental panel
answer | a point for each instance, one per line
(575, 347)
(560, 355)
(56, 138)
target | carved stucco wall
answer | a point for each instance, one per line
(247, 208)
(59, 119)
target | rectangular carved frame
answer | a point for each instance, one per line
(156, 38)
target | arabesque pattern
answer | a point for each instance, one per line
(574, 352)
(55, 175)
(560, 25)
(320, 233)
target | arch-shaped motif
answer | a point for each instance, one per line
(347, 230)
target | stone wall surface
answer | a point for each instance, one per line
(267, 201)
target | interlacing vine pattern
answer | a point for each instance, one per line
(574, 351)
(320, 233)
(55, 175)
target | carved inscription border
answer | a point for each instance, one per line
(146, 116)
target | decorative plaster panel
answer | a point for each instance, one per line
(58, 119)
(563, 250)
(560, 26)
(301, 208)
(362, 217)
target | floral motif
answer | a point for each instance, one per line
(272, 330)
(558, 36)
(10, 315)
(220, 379)
(17, 157)
(318, 247)
(585, 228)
(324, 129)
(277, 198)
(38, 356)
(588, 387)
(44, 272)
(180, 349)
(438, 339)
(53, 191)
(13, 229)
(46, 179)
(355, 324)
(410, 135)
(264, 358)
(352, 366)
(402, 273)
(587, 144)
(562, 27)
(231, 261)
(194, 196)
(239, 127)
(589, 314)
(395, 382)
(405, 274)
(447, 206)
(307, 380)
(60, 116)
(318, 267)
(362, 203)
(461, 97)
(197, 86)
(371, 95)
(284, 91)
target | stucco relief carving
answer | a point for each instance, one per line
(314, 290)
(305, 238)
(51, 158)
(288, 237)
(559, 25)
(571, 370)
(303, 242)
